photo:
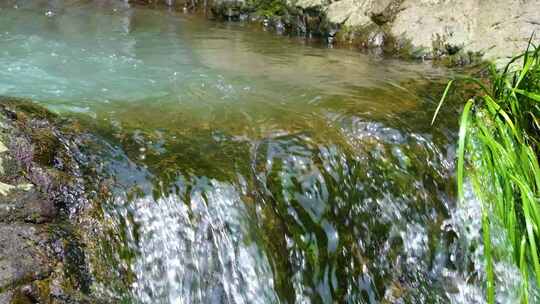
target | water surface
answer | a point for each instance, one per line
(248, 167)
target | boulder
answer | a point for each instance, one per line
(495, 29)
(349, 12)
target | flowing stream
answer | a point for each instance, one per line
(249, 167)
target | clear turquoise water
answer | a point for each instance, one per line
(249, 167)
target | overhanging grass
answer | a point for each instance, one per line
(498, 149)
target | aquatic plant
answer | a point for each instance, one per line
(270, 8)
(498, 150)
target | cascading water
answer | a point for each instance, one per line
(199, 254)
(246, 168)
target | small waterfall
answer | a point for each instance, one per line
(198, 251)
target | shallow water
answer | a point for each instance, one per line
(248, 167)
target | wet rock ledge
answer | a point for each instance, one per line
(42, 197)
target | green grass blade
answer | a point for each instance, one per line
(463, 126)
(527, 200)
(524, 271)
(501, 112)
(526, 67)
(535, 166)
(490, 284)
(533, 96)
(441, 101)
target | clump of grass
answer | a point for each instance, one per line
(498, 149)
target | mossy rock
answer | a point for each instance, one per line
(42, 154)
(46, 145)
(26, 108)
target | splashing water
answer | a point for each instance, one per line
(199, 255)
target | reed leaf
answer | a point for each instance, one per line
(441, 101)
(463, 127)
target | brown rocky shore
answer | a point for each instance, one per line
(455, 32)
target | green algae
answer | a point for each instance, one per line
(26, 108)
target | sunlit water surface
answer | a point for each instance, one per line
(248, 167)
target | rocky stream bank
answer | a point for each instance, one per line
(456, 32)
